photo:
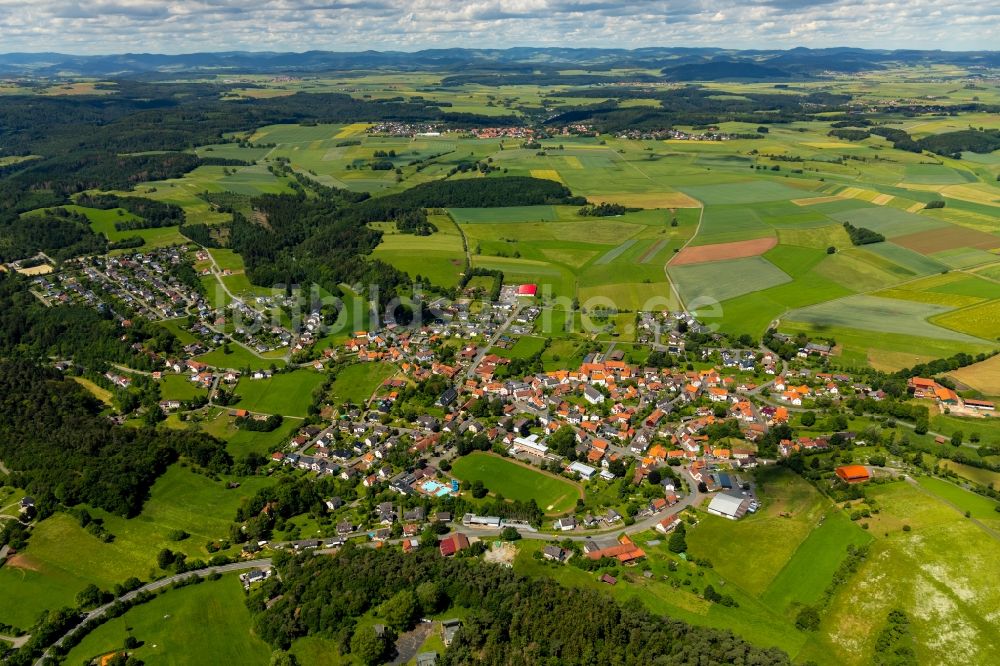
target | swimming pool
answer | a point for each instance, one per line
(435, 488)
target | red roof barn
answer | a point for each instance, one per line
(527, 290)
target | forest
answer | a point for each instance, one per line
(511, 619)
(65, 453)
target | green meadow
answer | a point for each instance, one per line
(288, 394)
(206, 623)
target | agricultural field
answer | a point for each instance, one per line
(203, 623)
(438, 258)
(983, 377)
(515, 481)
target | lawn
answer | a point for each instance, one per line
(239, 358)
(516, 481)
(288, 394)
(179, 387)
(356, 383)
(207, 623)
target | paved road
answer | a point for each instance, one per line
(471, 372)
(155, 585)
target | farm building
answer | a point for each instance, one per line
(980, 405)
(527, 290)
(729, 506)
(853, 473)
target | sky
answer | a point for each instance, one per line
(186, 26)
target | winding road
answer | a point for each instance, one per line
(149, 587)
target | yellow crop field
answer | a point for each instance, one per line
(980, 320)
(351, 130)
(547, 174)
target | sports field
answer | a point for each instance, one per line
(517, 481)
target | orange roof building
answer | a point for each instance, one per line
(853, 473)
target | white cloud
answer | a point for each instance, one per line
(183, 26)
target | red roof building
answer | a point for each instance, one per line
(453, 543)
(853, 473)
(527, 290)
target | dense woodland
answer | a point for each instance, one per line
(513, 620)
(65, 453)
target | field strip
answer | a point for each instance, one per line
(614, 253)
(652, 251)
(812, 201)
(882, 199)
(723, 251)
(916, 207)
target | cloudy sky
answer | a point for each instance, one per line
(183, 26)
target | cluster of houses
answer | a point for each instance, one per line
(928, 389)
(141, 281)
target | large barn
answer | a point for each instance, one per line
(853, 473)
(729, 506)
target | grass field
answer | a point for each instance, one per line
(767, 539)
(102, 394)
(241, 442)
(357, 382)
(240, 358)
(288, 394)
(207, 623)
(438, 258)
(934, 573)
(179, 387)
(62, 558)
(518, 482)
